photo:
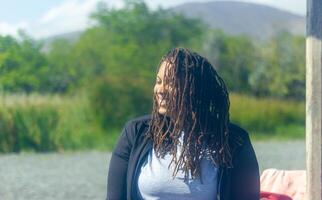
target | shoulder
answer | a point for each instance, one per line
(238, 137)
(242, 148)
(237, 131)
(245, 178)
(132, 128)
(138, 121)
(137, 125)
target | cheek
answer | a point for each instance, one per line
(155, 90)
(155, 87)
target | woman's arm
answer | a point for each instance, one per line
(245, 173)
(116, 180)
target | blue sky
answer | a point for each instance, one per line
(45, 18)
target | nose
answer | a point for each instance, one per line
(159, 89)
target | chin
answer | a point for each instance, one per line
(162, 111)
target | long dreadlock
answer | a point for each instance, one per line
(199, 106)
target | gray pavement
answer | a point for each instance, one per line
(82, 175)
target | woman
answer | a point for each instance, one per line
(187, 148)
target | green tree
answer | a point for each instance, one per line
(62, 73)
(122, 51)
(233, 57)
(21, 64)
(281, 70)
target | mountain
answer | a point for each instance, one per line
(255, 20)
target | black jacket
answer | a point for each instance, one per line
(241, 182)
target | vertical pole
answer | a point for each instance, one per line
(313, 100)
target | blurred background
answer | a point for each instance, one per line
(72, 72)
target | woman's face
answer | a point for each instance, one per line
(161, 88)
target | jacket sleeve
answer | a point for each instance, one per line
(245, 174)
(116, 179)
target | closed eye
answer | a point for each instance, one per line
(159, 81)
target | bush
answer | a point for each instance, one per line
(48, 123)
(116, 100)
(58, 123)
(266, 115)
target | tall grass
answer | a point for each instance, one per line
(58, 123)
(48, 123)
(265, 118)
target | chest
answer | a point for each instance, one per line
(156, 180)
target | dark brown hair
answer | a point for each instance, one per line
(198, 106)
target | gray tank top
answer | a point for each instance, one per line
(155, 180)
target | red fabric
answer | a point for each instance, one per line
(273, 196)
(287, 182)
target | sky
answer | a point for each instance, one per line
(42, 19)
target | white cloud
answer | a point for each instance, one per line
(69, 9)
(71, 15)
(12, 29)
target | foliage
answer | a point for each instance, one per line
(21, 64)
(273, 68)
(106, 77)
(131, 41)
(49, 123)
(281, 70)
(266, 115)
(61, 75)
(116, 103)
(234, 58)
(59, 123)
(122, 51)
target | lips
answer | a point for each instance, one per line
(160, 100)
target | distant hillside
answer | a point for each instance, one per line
(70, 37)
(255, 20)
